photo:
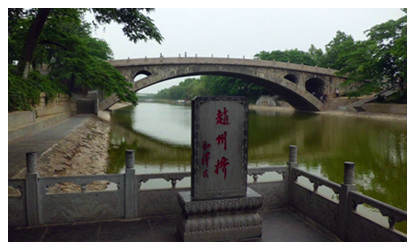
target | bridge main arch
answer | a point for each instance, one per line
(269, 77)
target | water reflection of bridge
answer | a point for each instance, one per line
(149, 151)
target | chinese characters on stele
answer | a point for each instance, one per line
(222, 120)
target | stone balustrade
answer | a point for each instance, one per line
(31, 201)
(222, 60)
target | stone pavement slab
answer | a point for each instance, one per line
(40, 142)
(279, 225)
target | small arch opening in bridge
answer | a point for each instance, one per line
(141, 75)
(315, 86)
(291, 77)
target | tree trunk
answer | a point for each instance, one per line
(31, 41)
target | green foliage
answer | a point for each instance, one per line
(186, 90)
(316, 55)
(391, 54)
(292, 56)
(137, 26)
(340, 44)
(213, 86)
(24, 93)
(380, 62)
(73, 56)
(19, 22)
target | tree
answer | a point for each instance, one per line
(379, 62)
(316, 55)
(341, 43)
(292, 56)
(209, 85)
(391, 53)
(61, 39)
(31, 41)
(137, 26)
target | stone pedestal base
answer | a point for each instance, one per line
(220, 219)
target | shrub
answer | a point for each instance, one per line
(23, 94)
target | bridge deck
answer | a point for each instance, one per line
(279, 225)
(222, 61)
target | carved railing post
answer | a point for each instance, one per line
(346, 187)
(130, 186)
(32, 203)
(293, 155)
(292, 162)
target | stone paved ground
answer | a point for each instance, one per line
(40, 143)
(279, 225)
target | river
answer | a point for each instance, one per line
(160, 134)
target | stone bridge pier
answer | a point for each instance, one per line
(299, 85)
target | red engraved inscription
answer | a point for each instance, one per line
(205, 145)
(221, 139)
(205, 158)
(222, 117)
(205, 174)
(222, 164)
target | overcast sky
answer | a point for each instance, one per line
(242, 32)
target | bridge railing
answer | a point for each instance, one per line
(226, 60)
(46, 200)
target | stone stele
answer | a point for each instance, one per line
(219, 206)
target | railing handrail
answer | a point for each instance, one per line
(227, 60)
(395, 214)
(316, 180)
(81, 179)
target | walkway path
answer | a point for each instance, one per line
(40, 142)
(277, 225)
(357, 106)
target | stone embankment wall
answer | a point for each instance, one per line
(82, 152)
(60, 104)
(44, 115)
(399, 109)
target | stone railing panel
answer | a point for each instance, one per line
(317, 181)
(314, 206)
(256, 172)
(173, 178)
(83, 205)
(394, 214)
(17, 203)
(363, 229)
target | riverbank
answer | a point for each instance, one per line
(82, 152)
(120, 105)
(382, 116)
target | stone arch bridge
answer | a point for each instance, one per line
(299, 85)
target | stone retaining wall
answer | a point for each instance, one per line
(60, 104)
(44, 115)
(388, 108)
